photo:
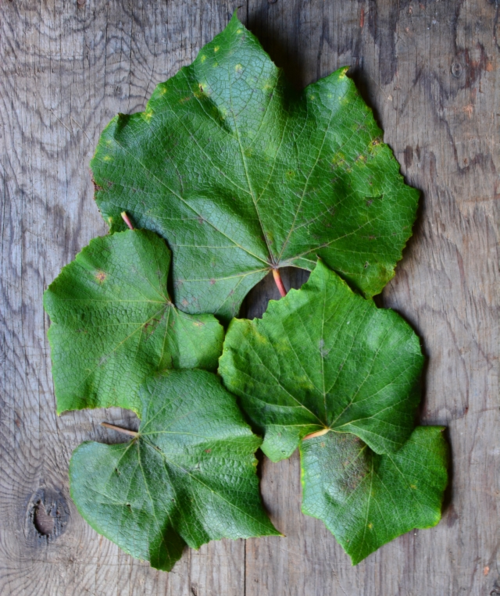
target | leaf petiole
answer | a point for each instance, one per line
(279, 282)
(119, 429)
(318, 433)
(126, 219)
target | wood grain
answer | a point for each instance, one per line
(430, 70)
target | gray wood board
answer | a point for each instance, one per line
(430, 71)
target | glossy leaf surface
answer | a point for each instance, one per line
(242, 174)
(187, 478)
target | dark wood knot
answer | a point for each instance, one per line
(47, 515)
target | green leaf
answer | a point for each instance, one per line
(113, 323)
(324, 358)
(366, 499)
(242, 174)
(188, 477)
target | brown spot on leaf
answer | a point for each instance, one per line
(101, 277)
(96, 186)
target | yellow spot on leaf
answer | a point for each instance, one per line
(203, 87)
(216, 49)
(370, 525)
(338, 158)
(101, 277)
(238, 68)
(261, 338)
(203, 58)
(108, 158)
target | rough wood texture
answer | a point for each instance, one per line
(430, 69)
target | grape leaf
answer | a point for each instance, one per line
(366, 499)
(242, 174)
(188, 477)
(113, 323)
(326, 369)
(324, 358)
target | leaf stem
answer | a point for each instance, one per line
(126, 219)
(318, 433)
(279, 282)
(126, 431)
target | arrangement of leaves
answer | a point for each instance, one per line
(241, 175)
(327, 370)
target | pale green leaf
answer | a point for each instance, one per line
(366, 499)
(113, 323)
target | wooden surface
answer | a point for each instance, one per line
(430, 70)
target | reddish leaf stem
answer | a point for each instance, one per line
(279, 282)
(318, 433)
(126, 431)
(126, 219)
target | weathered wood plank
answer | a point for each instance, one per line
(430, 70)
